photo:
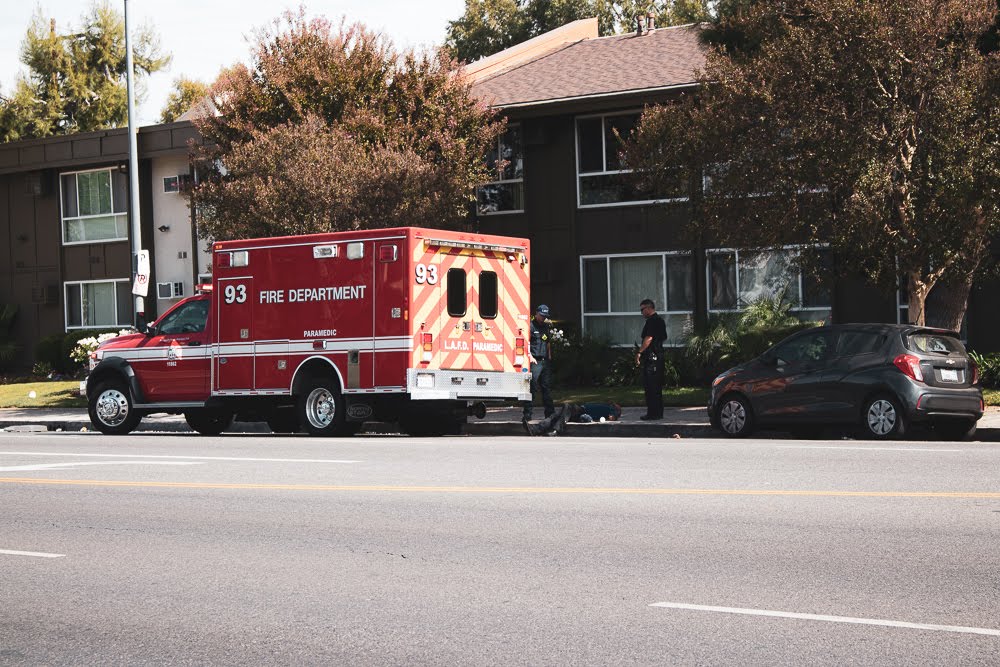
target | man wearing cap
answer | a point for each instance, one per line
(540, 358)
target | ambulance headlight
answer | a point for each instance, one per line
(425, 380)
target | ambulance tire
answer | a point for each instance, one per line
(209, 422)
(111, 409)
(322, 410)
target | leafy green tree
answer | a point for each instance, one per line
(330, 129)
(873, 127)
(186, 93)
(76, 79)
(489, 26)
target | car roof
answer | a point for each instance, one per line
(879, 327)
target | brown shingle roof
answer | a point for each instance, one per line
(601, 66)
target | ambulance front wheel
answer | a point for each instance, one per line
(322, 410)
(111, 410)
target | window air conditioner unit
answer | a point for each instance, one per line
(164, 291)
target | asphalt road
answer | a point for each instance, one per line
(173, 549)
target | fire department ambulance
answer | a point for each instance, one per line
(324, 332)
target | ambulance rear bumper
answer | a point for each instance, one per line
(434, 384)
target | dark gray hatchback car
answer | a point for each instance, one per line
(881, 378)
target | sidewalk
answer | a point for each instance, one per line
(677, 422)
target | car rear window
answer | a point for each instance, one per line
(934, 343)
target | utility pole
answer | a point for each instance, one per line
(140, 258)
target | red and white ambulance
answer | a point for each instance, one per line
(324, 332)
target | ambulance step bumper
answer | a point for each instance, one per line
(434, 384)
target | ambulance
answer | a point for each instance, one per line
(322, 333)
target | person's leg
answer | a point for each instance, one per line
(526, 406)
(656, 406)
(545, 385)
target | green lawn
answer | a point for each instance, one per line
(65, 394)
(52, 394)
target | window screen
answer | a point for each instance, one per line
(456, 292)
(488, 295)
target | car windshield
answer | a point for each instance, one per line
(933, 343)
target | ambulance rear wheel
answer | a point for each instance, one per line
(209, 422)
(321, 409)
(111, 410)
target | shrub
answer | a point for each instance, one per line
(80, 353)
(989, 369)
(49, 351)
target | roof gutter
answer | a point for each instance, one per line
(576, 98)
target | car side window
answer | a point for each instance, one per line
(189, 318)
(850, 343)
(809, 347)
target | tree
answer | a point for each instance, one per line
(331, 129)
(186, 93)
(871, 127)
(76, 80)
(489, 26)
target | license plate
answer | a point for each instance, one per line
(949, 375)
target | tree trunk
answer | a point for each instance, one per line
(947, 303)
(918, 291)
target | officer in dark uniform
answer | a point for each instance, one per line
(650, 359)
(540, 358)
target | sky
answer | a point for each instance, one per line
(205, 35)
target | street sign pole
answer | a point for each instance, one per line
(140, 283)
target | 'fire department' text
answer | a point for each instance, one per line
(342, 293)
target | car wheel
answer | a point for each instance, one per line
(882, 418)
(958, 429)
(321, 409)
(734, 416)
(111, 409)
(209, 422)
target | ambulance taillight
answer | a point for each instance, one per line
(518, 351)
(427, 342)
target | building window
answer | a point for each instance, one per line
(94, 206)
(736, 278)
(505, 162)
(601, 178)
(98, 304)
(613, 286)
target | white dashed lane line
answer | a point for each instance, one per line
(36, 554)
(175, 457)
(829, 619)
(80, 464)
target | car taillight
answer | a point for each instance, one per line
(975, 371)
(427, 343)
(518, 351)
(910, 365)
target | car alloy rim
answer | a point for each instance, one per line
(881, 417)
(112, 407)
(733, 417)
(320, 407)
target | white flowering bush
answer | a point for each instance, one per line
(84, 346)
(557, 337)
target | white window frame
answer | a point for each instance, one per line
(604, 163)
(507, 181)
(720, 251)
(62, 213)
(117, 282)
(662, 255)
(174, 188)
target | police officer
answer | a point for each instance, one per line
(540, 358)
(650, 359)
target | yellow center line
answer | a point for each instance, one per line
(504, 489)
